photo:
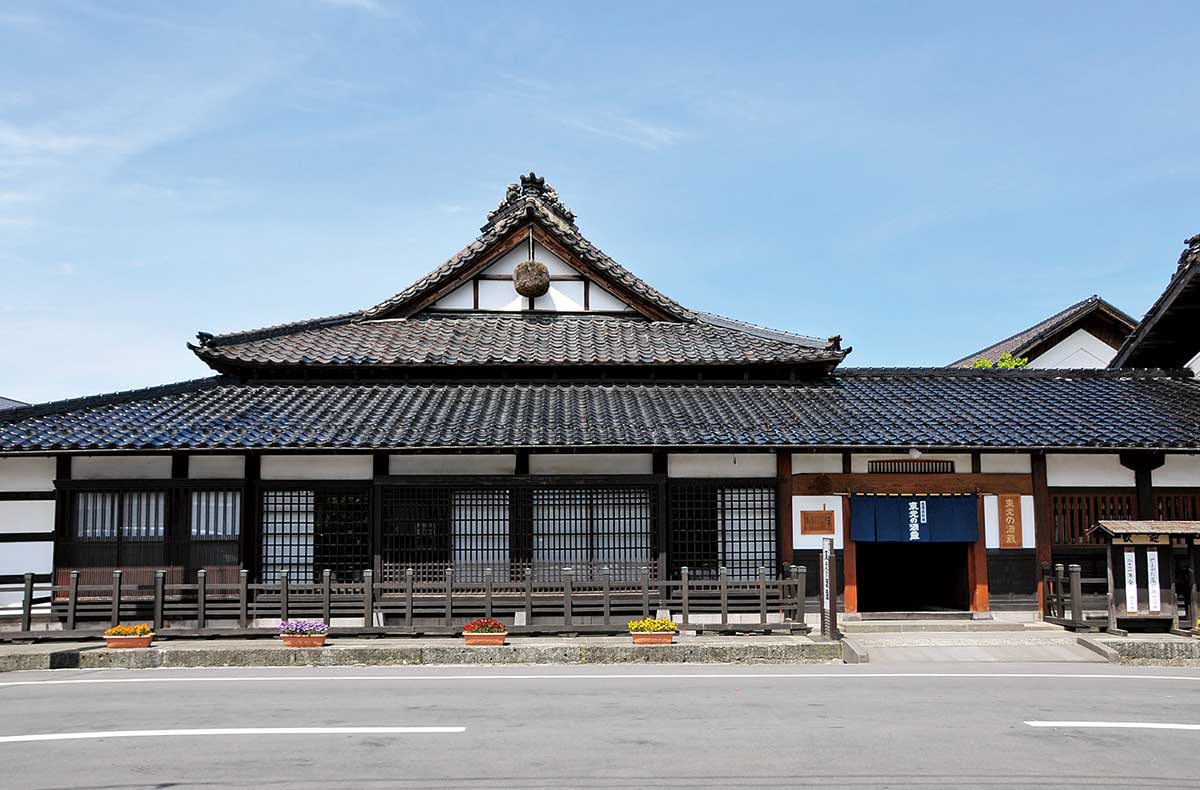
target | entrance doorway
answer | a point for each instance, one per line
(912, 577)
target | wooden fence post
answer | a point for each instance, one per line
(243, 598)
(607, 593)
(1076, 594)
(487, 592)
(408, 596)
(27, 604)
(449, 596)
(723, 584)
(528, 596)
(115, 616)
(283, 595)
(1047, 608)
(1060, 583)
(762, 594)
(201, 598)
(568, 594)
(683, 580)
(645, 591)
(368, 598)
(800, 573)
(160, 599)
(72, 599)
(326, 596)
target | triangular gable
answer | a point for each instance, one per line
(532, 211)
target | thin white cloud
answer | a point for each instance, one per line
(634, 131)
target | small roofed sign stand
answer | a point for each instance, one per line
(829, 626)
(1141, 575)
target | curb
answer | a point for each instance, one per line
(333, 656)
(1109, 655)
(854, 653)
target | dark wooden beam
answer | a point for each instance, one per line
(783, 478)
(1143, 465)
(179, 466)
(956, 483)
(1043, 520)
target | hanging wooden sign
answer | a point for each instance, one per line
(1010, 521)
(816, 522)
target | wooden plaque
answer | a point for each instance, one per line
(1010, 521)
(816, 522)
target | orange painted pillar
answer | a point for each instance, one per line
(849, 562)
(977, 575)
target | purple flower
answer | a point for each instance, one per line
(303, 627)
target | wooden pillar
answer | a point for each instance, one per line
(977, 572)
(381, 462)
(849, 562)
(1043, 520)
(250, 527)
(783, 480)
(663, 525)
(1143, 465)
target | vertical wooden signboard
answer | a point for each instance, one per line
(1010, 521)
(829, 628)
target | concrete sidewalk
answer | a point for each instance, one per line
(407, 651)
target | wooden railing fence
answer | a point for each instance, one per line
(410, 606)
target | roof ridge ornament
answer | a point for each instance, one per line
(530, 188)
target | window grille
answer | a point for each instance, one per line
(1077, 511)
(715, 525)
(138, 528)
(305, 531)
(511, 527)
(911, 466)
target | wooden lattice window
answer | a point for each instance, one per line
(911, 466)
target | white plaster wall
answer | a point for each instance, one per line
(317, 467)
(998, 463)
(121, 467)
(27, 558)
(600, 299)
(1178, 470)
(833, 503)
(858, 461)
(591, 464)
(27, 474)
(499, 295)
(30, 516)
(991, 522)
(816, 463)
(1194, 365)
(452, 464)
(1080, 349)
(1087, 470)
(564, 296)
(461, 298)
(724, 465)
(216, 467)
(507, 262)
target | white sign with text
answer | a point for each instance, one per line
(1131, 595)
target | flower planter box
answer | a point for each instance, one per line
(303, 640)
(494, 639)
(653, 637)
(125, 642)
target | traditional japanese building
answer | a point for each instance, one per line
(532, 404)
(1085, 335)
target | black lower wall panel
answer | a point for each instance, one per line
(1012, 571)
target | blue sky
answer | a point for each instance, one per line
(923, 179)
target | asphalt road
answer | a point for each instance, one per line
(604, 727)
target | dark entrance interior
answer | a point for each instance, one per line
(912, 577)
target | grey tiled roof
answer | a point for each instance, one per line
(1026, 339)
(868, 408)
(517, 339)
(1168, 330)
(9, 403)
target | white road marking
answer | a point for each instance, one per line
(1114, 725)
(589, 676)
(87, 736)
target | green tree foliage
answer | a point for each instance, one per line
(1006, 362)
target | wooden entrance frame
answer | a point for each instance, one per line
(847, 483)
